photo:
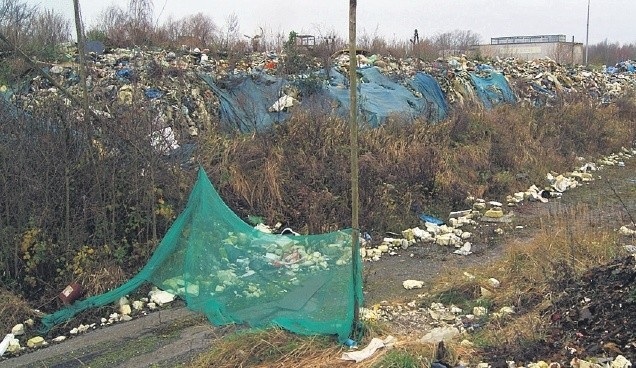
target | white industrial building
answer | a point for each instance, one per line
(556, 47)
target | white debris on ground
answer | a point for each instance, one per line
(453, 232)
(412, 284)
(369, 350)
(438, 322)
(23, 333)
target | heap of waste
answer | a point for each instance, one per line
(190, 91)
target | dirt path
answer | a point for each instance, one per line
(610, 199)
(173, 337)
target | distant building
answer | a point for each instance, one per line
(556, 47)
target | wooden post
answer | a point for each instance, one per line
(353, 127)
(82, 58)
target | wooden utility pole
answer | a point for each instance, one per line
(587, 31)
(353, 127)
(82, 58)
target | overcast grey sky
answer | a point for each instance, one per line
(396, 19)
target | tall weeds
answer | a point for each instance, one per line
(298, 173)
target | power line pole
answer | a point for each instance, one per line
(587, 31)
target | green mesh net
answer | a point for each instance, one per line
(234, 273)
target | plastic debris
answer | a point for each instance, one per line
(621, 362)
(18, 329)
(430, 219)
(36, 342)
(160, 297)
(5, 343)
(369, 350)
(412, 284)
(438, 334)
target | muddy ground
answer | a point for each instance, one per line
(173, 337)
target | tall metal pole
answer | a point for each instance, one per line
(587, 32)
(353, 138)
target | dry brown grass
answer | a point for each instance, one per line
(298, 172)
(271, 348)
(278, 348)
(102, 279)
(13, 310)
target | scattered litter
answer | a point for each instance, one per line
(36, 342)
(493, 282)
(624, 230)
(5, 343)
(351, 343)
(160, 297)
(289, 231)
(18, 329)
(412, 284)
(369, 350)
(464, 250)
(430, 219)
(438, 334)
(59, 338)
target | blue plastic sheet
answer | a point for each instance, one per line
(124, 74)
(152, 93)
(378, 96)
(245, 101)
(431, 219)
(492, 88)
(436, 108)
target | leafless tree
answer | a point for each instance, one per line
(563, 53)
(50, 28)
(110, 23)
(200, 27)
(455, 42)
(231, 30)
(140, 24)
(15, 20)
(611, 53)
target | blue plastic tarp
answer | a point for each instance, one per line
(492, 88)
(436, 108)
(245, 101)
(378, 96)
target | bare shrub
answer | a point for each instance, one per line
(78, 198)
(15, 19)
(48, 30)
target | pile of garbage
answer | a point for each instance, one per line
(190, 90)
(542, 81)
